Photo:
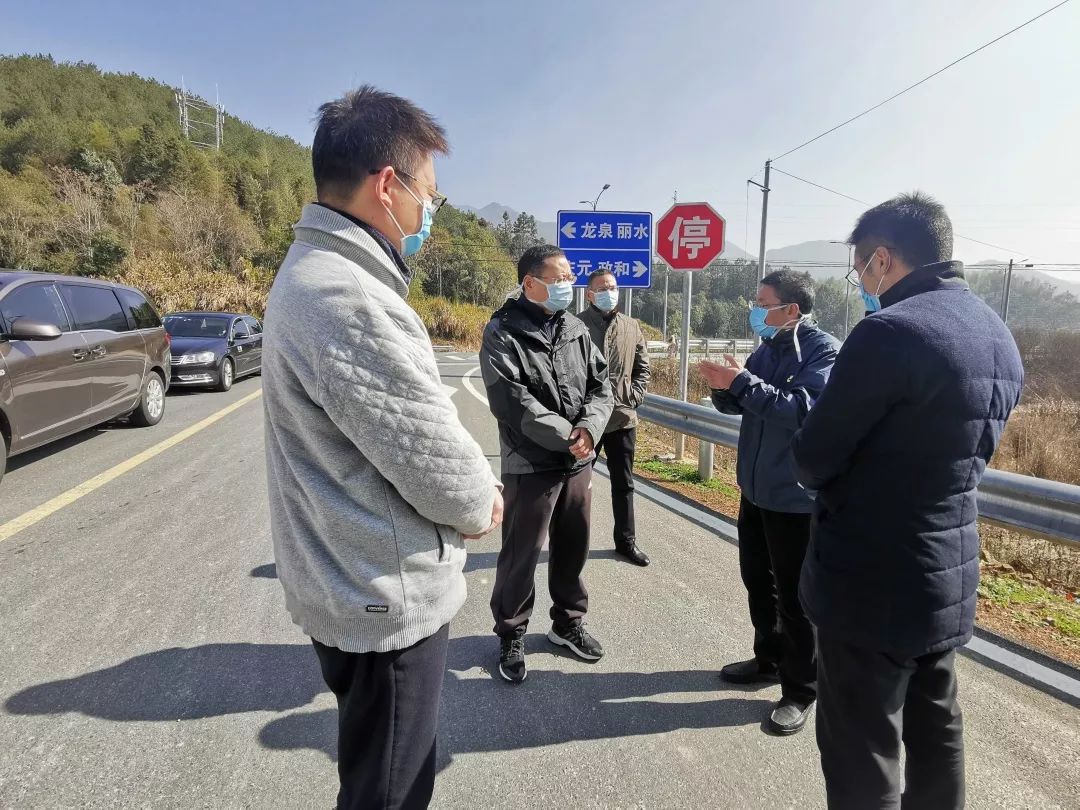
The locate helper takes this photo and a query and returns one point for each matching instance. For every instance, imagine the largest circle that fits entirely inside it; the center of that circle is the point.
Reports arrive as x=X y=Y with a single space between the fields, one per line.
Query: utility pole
x=764 y=221
x=1005 y=294
x=847 y=287
x=629 y=303
x=764 y=218
x=667 y=275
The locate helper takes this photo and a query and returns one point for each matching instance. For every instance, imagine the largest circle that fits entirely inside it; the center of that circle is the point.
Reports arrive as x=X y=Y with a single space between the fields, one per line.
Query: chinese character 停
x=692 y=234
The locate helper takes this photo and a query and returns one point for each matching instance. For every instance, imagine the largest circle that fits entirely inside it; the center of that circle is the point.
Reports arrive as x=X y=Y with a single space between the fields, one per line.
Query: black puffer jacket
x=896 y=446
x=544 y=377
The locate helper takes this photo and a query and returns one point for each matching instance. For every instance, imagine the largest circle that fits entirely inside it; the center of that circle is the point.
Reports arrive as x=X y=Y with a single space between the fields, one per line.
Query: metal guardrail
x=706 y=346
x=1049 y=509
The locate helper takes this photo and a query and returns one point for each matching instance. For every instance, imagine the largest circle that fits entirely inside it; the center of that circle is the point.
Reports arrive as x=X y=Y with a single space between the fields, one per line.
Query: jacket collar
x=384 y=243
x=515 y=316
x=783 y=339
x=599 y=317
x=537 y=314
x=937 y=276
x=326 y=229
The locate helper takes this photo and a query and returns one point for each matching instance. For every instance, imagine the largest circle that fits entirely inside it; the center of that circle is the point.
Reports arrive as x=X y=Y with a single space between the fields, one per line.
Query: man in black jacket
x=774 y=393
x=547 y=386
x=896 y=446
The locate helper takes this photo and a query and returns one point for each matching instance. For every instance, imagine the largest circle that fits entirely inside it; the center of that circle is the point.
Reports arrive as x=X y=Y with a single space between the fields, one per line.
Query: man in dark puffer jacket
x=896 y=446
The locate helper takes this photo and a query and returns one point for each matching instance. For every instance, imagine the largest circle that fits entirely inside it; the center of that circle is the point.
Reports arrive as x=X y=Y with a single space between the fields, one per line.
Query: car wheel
x=152 y=402
x=226 y=375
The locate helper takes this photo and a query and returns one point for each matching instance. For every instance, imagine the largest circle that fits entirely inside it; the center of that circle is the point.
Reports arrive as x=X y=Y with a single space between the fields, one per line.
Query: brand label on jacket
x=378 y=609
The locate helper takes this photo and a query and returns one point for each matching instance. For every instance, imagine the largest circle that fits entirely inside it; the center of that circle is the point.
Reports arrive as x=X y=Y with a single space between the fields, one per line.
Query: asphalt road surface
x=148 y=661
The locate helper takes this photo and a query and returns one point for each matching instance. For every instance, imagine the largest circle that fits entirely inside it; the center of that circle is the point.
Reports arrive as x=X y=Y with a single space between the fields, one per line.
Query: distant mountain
x=493 y=213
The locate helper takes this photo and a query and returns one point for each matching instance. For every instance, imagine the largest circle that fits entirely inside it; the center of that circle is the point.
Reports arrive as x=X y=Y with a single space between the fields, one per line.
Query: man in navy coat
x=895 y=447
x=773 y=394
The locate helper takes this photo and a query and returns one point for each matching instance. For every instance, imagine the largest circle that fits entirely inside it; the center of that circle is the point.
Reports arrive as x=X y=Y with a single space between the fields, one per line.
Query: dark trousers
x=772 y=546
x=388 y=711
x=870 y=702
x=618 y=447
x=539 y=507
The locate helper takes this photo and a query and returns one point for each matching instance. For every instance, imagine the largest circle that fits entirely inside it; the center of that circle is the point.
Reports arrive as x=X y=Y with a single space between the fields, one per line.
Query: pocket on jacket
x=443 y=553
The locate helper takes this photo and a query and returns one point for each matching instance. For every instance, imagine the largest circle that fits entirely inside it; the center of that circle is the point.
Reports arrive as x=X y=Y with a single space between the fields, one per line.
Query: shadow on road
x=184 y=683
x=484 y=714
x=480 y=712
x=268 y=571
x=44 y=452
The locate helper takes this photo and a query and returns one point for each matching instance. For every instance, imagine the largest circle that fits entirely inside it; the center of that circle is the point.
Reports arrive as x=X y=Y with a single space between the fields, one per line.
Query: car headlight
x=200 y=358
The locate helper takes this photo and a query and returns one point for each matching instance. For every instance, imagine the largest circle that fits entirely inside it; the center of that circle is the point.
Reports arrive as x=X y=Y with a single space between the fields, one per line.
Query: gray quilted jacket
x=371 y=476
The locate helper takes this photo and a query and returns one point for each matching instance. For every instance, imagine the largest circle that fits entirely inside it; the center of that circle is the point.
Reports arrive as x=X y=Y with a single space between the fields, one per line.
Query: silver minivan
x=75 y=353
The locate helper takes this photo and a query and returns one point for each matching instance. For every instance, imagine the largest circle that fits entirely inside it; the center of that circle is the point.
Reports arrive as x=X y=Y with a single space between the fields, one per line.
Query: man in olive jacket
x=621 y=340
x=548 y=388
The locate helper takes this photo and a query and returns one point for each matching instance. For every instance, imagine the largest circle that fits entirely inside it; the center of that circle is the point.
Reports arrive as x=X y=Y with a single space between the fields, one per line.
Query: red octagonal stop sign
x=689 y=236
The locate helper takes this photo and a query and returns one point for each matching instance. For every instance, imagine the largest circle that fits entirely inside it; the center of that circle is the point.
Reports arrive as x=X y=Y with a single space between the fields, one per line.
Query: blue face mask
x=872 y=301
x=412 y=242
x=757 y=321
x=560 y=294
x=606 y=300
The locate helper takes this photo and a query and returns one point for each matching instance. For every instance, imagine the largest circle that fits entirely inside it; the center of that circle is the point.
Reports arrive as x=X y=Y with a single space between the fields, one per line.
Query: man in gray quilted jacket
x=373 y=481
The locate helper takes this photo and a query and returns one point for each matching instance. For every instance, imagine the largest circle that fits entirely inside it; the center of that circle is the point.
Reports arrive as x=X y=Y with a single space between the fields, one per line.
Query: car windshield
x=196 y=326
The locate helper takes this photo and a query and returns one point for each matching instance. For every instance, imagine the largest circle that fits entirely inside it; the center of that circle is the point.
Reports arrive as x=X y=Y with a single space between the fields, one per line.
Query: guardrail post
x=705 y=451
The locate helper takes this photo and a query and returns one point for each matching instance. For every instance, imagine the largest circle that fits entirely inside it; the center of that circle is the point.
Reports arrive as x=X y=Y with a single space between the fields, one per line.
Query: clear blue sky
x=545 y=102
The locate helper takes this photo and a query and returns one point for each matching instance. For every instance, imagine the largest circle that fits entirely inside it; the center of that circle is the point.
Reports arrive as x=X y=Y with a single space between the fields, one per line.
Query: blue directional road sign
x=619 y=241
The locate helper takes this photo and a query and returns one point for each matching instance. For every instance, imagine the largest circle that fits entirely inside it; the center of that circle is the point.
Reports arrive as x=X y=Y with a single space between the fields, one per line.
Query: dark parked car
x=213 y=349
x=75 y=353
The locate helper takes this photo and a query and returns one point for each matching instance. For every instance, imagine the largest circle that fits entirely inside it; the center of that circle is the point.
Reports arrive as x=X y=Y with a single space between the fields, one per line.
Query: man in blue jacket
x=896 y=446
x=774 y=393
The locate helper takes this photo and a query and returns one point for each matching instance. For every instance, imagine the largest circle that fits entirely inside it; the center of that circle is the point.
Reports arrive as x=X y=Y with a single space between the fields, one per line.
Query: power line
x=863 y=202
x=823 y=188
x=921 y=81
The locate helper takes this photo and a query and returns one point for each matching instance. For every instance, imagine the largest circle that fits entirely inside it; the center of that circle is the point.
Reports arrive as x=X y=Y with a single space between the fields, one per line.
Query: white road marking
x=472 y=389
x=28 y=519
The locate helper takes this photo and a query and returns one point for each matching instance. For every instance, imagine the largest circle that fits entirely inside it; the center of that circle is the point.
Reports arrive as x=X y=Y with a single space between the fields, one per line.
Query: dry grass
x=460 y=325
x=1042 y=439
x=665 y=379
x=173 y=287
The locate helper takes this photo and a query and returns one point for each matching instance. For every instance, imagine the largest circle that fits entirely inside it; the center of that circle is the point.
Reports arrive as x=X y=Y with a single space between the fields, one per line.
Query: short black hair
x=913 y=225
x=368 y=129
x=532 y=260
x=595 y=274
x=792 y=287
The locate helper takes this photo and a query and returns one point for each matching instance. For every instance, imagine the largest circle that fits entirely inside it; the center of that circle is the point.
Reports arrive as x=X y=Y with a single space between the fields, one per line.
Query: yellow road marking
x=39 y=513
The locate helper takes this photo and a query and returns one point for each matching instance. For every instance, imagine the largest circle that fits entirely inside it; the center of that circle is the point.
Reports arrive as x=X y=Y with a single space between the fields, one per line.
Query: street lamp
x=581 y=291
x=598 y=196
x=847 y=290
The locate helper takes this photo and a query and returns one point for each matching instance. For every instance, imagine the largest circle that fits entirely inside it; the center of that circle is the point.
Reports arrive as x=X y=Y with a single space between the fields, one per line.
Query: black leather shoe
x=752 y=671
x=789 y=717
x=632 y=553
